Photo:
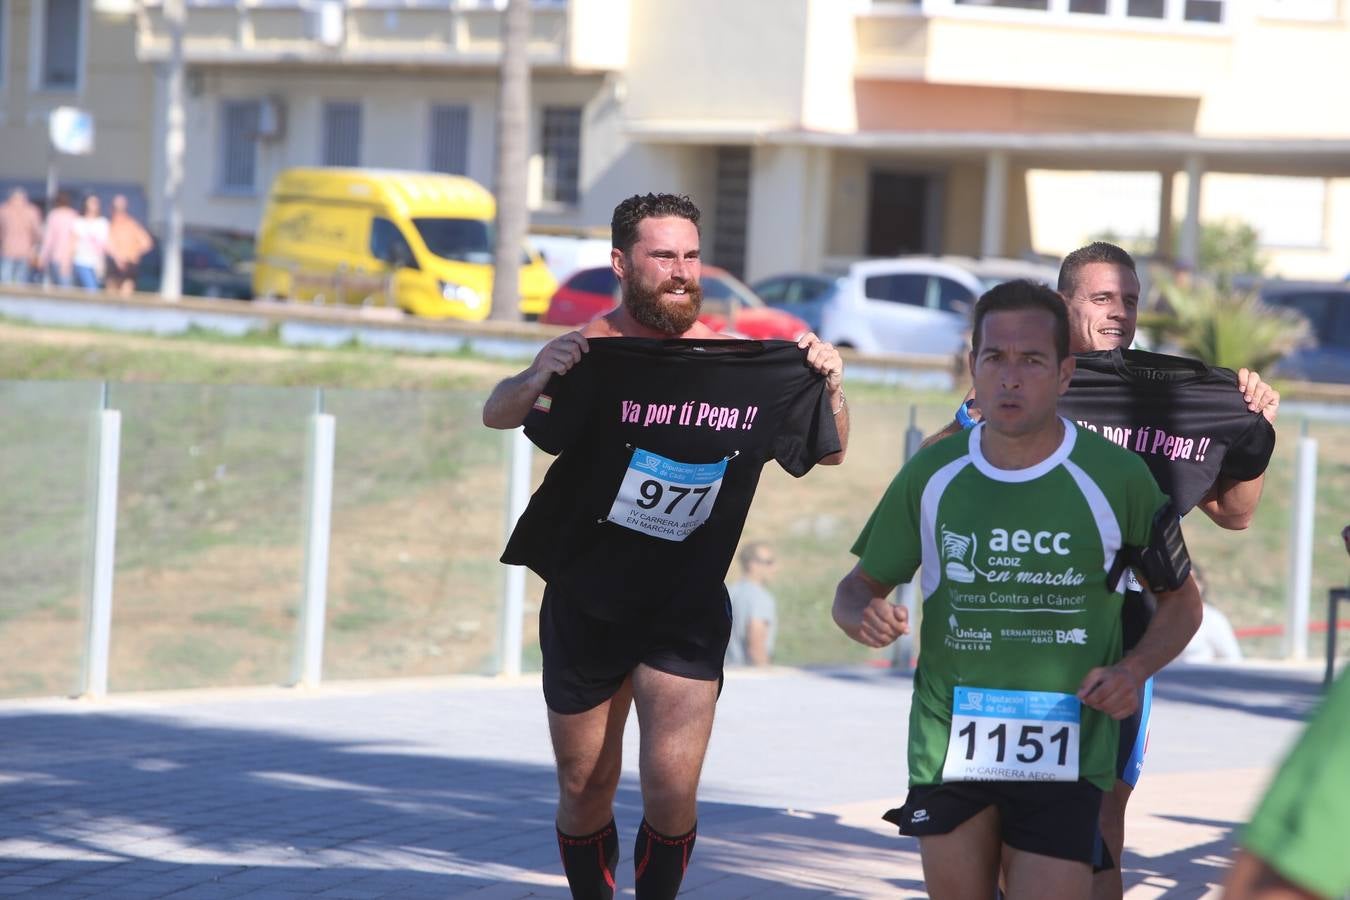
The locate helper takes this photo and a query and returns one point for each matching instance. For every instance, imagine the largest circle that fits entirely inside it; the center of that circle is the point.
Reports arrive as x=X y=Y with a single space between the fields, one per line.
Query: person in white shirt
x=91 y=245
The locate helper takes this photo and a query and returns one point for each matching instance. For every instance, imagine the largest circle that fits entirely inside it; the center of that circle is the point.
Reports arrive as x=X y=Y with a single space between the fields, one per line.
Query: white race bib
x=1000 y=735
x=665 y=498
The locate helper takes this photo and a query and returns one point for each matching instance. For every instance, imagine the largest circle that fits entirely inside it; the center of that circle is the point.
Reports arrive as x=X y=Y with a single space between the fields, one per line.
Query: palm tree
x=1224 y=326
x=513 y=135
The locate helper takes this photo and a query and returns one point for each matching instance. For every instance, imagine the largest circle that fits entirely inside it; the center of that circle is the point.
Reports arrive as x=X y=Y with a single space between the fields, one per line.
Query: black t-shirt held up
x=660 y=444
x=1188 y=421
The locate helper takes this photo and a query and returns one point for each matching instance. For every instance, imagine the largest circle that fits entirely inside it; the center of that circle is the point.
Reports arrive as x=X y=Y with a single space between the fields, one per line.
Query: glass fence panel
x=210 y=535
x=1246 y=573
x=46 y=515
x=809 y=524
x=418 y=524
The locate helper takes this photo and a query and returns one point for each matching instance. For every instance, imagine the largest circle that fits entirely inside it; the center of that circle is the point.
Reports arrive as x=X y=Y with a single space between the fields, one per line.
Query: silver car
x=909 y=304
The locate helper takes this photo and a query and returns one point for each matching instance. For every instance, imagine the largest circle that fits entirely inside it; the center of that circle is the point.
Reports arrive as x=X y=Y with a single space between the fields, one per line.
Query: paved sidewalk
x=445 y=789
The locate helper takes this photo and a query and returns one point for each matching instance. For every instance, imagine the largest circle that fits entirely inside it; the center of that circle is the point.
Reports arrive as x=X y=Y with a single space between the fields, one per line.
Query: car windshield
x=462 y=240
x=720 y=289
x=237 y=249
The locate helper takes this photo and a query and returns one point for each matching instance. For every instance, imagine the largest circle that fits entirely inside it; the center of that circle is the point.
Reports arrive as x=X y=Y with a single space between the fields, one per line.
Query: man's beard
x=673 y=317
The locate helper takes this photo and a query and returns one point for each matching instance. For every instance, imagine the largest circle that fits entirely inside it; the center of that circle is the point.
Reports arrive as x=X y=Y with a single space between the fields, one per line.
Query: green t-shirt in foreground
x=1301 y=825
x=1014 y=577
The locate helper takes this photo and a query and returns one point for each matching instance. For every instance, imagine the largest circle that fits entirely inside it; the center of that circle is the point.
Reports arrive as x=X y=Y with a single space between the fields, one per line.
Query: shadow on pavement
x=1258 y=692
x=102 y=800
x=1185 y=871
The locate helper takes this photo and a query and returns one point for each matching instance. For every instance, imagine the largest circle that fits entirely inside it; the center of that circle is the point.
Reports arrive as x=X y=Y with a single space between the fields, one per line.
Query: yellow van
x=418 y=241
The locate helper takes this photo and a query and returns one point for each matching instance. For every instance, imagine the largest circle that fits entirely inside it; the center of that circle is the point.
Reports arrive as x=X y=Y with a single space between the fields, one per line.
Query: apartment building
x=810 y=131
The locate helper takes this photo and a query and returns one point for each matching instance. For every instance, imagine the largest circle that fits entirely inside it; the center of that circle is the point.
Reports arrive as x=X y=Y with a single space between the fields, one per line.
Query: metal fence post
x=521 y=453
x=308 y=665
x=1301 y=547
x=94 y=677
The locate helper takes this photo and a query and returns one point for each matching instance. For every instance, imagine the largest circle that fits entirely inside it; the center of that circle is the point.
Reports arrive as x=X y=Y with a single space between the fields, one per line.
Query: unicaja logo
x=968 y=634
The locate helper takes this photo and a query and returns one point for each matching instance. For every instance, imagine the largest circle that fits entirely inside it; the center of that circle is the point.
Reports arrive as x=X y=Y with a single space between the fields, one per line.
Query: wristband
x=843 y=402
x=963 y=415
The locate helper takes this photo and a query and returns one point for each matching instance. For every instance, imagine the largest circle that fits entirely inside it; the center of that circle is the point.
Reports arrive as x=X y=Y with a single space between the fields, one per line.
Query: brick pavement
x=444 y=788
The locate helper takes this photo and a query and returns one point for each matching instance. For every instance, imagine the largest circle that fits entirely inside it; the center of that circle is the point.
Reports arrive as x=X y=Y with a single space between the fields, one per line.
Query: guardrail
x=304 y=324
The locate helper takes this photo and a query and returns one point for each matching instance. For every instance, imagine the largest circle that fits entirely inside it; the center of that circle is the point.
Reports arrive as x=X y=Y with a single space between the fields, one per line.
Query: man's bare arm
x=863 y=612
x=757 y=642
x=954 y=426
x=825 y=359
x=1114 y=689
x=1252 y=878
x=511 y=400
x=1231 y=503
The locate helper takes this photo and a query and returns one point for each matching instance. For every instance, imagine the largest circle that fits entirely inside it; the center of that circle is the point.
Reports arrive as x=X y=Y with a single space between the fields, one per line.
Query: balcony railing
x=1076 y=45
x=467 y=33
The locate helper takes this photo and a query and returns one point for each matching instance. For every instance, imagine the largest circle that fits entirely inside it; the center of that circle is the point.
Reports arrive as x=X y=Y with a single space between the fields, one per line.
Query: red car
x=592 y=292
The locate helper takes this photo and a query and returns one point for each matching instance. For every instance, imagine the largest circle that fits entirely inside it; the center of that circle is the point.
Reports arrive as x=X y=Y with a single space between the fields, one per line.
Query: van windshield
x=462 y=240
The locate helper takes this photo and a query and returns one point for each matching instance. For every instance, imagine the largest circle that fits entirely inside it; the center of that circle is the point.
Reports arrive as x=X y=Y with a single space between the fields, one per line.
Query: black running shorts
x=587 y=659
x=1052 y=818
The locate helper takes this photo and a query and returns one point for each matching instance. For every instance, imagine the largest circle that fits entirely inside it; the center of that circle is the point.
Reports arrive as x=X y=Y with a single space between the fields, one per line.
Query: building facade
x=810 y=131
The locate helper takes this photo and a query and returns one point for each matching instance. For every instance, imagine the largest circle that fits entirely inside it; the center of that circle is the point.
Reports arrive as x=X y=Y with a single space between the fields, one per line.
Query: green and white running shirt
x=1014 y=577
x=1300 y=827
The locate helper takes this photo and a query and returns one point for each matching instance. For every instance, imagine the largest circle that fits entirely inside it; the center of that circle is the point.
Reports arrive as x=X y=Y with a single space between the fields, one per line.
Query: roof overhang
x=1116 y=150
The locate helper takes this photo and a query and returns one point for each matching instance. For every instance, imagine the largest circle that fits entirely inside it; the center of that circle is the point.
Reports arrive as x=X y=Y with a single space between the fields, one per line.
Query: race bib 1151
x=665 y=498
x=1002 y=735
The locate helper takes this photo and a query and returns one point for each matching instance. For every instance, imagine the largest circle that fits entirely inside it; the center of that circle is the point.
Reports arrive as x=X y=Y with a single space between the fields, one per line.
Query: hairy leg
x=588 y=747
x=963 y=863
x=1034 y=876
x=1108 y=885
x=676 y=717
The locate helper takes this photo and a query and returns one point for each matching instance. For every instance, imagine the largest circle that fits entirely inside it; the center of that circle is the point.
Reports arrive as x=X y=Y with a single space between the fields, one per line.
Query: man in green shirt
x=1022 y=526
x=1294 y=848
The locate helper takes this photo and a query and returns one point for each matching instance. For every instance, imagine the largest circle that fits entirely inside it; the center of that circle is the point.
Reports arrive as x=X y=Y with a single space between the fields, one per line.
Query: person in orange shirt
x=128 y=241
x=20 y=232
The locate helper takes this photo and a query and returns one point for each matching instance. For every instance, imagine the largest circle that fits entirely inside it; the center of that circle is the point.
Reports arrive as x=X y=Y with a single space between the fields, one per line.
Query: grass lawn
x=211 y=543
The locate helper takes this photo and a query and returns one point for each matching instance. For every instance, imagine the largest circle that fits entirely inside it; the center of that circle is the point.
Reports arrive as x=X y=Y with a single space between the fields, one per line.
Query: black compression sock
x=659 y=862
x=589 y=862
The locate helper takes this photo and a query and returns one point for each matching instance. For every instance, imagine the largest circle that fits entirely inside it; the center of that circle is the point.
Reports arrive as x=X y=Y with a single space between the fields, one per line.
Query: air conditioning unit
x=328 y=23
x=272 y=119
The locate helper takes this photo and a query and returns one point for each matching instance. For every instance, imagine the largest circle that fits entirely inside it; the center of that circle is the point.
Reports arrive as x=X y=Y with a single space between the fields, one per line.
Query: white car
x=908 y=304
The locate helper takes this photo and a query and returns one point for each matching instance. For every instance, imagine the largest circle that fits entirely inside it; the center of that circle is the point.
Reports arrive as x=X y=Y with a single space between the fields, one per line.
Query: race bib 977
x=1002 y=735
x=665 y=498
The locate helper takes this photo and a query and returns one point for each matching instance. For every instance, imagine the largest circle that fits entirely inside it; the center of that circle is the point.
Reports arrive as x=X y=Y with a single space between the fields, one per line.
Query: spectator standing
x=754 y=611
x=90 y=245
x=56 y=256
x=20 y=234
x=128 y=241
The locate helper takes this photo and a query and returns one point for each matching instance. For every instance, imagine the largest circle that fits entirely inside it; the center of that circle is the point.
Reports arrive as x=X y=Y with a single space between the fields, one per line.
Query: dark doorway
x=898 y=214
x=732 y=209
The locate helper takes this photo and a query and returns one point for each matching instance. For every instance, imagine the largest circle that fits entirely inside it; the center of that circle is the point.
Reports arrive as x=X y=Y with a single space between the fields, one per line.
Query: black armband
x=1165 y=563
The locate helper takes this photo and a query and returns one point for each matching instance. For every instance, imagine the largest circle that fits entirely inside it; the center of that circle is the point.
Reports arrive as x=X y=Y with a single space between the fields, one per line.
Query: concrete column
x=995 y=203
x=789 y=210
x=1164 y=248
x=175 y=145
x=1188 y=254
